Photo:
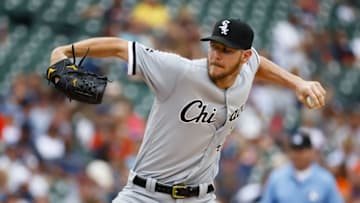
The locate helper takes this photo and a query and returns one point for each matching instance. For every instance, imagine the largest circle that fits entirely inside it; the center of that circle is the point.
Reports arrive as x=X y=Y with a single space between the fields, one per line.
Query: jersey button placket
x=227 y=107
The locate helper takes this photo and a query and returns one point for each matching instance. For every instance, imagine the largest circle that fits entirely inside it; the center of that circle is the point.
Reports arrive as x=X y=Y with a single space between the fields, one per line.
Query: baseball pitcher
x=197 y=104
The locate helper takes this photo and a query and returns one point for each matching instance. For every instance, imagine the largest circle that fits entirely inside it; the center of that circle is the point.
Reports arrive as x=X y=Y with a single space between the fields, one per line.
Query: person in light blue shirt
x=302 y=180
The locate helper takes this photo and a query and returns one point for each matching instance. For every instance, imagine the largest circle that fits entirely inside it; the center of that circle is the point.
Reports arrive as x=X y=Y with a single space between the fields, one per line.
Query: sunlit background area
x=56 y=151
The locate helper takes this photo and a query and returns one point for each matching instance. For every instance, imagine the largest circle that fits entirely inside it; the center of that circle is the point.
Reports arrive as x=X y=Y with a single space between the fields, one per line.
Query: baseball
x=309 y=101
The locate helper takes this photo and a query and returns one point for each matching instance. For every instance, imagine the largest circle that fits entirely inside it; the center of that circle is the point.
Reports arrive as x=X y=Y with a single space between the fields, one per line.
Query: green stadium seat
x=34 y=6
x=93 y=26
x=12 y=4
x=131 y=91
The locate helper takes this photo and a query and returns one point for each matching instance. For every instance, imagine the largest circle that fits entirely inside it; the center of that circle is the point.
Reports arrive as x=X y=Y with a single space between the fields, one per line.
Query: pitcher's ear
x=246 y=55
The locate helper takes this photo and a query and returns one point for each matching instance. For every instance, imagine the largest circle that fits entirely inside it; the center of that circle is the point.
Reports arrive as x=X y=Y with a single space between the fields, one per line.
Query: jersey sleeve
x=160 y=70
x=254 y=60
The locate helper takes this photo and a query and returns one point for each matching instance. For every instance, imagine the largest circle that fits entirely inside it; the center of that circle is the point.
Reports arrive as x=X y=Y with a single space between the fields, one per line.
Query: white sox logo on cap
x=232 y=33
x=224 y=27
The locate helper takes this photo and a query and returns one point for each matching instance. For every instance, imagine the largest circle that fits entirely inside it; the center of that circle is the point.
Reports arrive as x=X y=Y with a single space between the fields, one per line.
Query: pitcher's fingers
x=320 y=97
x=321 y=88
x=315 y=101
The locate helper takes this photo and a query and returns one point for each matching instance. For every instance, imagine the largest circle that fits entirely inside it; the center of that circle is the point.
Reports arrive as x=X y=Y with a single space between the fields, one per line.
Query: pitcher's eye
x=226 y=51
x=213 y=46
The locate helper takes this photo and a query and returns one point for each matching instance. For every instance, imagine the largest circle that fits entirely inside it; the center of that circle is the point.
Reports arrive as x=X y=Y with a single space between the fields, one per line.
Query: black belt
x=176 y=191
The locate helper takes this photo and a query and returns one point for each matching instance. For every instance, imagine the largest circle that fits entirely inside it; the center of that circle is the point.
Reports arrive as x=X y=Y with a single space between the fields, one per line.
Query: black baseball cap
x=233 y=33
x=300 y=140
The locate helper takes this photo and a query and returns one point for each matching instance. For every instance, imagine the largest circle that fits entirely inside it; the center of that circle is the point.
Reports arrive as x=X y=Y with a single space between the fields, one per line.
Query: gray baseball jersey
x=190 y=117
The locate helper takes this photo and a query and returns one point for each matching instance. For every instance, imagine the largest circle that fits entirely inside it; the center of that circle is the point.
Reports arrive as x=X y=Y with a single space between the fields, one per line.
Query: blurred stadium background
x=53 y=150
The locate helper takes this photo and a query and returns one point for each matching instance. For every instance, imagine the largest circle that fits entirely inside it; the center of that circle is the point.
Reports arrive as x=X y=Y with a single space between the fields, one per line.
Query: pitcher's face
x=225 y=61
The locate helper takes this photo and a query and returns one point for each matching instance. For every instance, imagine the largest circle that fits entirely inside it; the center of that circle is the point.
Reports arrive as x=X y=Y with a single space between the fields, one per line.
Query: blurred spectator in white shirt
x=50 y=146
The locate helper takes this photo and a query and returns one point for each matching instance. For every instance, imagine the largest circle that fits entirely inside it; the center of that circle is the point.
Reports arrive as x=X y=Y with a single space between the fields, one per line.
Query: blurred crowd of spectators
x=53 y=150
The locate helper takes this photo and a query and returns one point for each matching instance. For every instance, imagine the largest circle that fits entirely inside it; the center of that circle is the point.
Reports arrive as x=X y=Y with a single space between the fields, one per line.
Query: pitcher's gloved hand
x=75 y=82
